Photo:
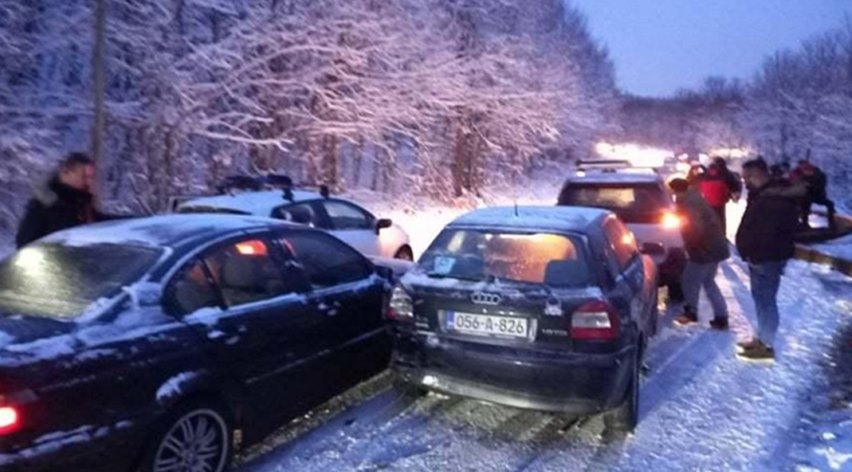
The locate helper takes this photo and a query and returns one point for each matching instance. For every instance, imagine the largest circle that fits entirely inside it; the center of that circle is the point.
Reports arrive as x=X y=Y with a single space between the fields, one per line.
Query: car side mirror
x=653 y=249
x=382 y=224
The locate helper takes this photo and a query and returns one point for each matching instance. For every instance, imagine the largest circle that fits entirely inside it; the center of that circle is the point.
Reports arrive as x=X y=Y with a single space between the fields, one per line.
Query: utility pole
x=99 y=79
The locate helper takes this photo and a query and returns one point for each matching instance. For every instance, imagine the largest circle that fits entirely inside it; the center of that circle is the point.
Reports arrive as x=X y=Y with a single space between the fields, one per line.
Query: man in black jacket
x=765 y=242
x=65 y=201
x=706 y=246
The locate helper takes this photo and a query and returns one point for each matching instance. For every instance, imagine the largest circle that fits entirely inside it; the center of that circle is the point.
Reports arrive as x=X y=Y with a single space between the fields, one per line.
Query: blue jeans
x=695 y=276
x=765 y=281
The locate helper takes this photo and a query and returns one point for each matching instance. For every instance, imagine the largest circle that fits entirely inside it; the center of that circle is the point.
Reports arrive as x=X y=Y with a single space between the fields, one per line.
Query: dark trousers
x=722 y=219
x=765 y=280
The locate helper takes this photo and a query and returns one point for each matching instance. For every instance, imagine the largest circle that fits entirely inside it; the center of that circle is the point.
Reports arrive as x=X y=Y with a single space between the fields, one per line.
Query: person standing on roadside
x=706 y=246
x=765 y=241
x=65 y=201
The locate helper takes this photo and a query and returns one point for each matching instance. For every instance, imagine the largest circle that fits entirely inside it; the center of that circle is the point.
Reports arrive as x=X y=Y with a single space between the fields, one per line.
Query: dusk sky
x=659 y=46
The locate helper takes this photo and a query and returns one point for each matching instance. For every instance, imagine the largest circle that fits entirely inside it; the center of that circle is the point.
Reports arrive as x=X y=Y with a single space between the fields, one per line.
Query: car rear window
x=62 y=281
x=634 y=203
x=504 y=256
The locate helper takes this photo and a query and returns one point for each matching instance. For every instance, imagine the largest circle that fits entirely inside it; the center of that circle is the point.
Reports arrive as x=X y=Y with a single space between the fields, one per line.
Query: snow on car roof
x=557 y=218
x=614 y=178
x=253 y=203
x=163 y=230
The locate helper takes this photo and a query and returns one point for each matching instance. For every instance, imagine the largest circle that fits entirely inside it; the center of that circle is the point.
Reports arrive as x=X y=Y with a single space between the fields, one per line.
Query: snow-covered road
x=701 y=408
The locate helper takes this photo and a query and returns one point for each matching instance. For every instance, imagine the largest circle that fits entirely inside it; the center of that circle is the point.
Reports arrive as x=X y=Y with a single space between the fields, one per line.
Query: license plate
x=486 y=325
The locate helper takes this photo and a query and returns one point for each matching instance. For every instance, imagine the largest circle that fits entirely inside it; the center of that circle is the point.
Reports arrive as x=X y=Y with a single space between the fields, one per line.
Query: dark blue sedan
x=165 y=343
x=542 y=308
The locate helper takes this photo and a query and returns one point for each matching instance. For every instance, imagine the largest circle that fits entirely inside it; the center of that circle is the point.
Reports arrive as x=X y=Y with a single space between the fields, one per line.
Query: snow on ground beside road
x=423 y=219
x=7 y=245
x=841 y=247
x=701 y=407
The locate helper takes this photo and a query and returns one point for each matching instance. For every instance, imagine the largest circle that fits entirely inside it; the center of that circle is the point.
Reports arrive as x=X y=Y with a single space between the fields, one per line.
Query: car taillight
x=401 y=305
x=595 y=320
x=670 y=221
x=10 y=420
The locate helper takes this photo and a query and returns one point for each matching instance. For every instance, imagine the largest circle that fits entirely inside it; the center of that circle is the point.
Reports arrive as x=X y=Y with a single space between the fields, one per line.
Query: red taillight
x=595 y=320
x=401 y=306
x=10 y=420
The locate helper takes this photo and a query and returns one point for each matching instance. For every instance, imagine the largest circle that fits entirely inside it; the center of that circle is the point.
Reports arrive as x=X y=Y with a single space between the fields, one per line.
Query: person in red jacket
x=716 y=191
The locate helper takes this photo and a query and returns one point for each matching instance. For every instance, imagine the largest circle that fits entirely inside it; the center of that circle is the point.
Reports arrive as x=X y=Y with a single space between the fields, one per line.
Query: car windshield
x=60 y=281
x=494 y=255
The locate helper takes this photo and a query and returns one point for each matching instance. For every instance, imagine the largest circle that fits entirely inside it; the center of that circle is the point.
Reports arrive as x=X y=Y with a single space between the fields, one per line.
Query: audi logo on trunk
x=486 y=298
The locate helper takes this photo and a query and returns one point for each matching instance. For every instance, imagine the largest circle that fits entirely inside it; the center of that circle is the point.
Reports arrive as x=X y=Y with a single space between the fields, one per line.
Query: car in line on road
x=166 y=343
x=345 y=219
x=643 y=201
x=547 y=308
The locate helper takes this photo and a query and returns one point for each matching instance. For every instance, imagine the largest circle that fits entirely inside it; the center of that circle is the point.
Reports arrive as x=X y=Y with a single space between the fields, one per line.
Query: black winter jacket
x=703 y=237
x=55 y=207
x=769 y=224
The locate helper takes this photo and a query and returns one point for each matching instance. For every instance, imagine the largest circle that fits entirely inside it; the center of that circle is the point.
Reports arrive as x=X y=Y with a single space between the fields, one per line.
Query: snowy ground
x=841 y=247
x=701 y=408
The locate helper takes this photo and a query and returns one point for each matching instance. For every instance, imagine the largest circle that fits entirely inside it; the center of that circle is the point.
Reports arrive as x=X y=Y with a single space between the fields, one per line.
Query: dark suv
x=645 y=204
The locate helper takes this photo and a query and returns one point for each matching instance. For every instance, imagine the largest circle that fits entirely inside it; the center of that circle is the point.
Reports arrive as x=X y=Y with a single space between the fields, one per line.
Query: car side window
x=345 y=216
x=301 y=213
x=192 y=289
x=246 y=272
x=622 y=242
x=327 y=262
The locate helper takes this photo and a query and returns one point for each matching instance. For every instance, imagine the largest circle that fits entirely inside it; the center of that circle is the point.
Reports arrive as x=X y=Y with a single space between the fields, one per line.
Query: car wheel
x=404 y=254
x=195 y=437
x=624 y=419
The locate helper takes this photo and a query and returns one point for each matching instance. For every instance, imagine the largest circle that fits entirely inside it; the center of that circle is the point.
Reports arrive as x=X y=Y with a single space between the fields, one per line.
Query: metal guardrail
x=809 y=254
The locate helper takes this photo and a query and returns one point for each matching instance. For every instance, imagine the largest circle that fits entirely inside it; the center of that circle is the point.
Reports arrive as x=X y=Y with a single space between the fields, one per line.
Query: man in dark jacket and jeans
x=706 y=246
x=65 y=201
x=765 y=242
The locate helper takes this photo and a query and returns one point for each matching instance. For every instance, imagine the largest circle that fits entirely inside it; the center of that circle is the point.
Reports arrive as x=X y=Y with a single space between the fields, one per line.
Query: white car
x=351 y=223
x=643 y=201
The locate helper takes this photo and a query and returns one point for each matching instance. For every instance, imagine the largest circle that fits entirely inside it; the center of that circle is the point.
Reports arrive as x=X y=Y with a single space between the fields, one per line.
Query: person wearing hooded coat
x=64 y=201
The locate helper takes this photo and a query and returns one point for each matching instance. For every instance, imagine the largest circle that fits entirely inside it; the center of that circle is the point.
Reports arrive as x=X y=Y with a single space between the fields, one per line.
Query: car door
x=347 y=293
x=353 y=225
x=308 y=213
x=630 y=282
x=248 y=300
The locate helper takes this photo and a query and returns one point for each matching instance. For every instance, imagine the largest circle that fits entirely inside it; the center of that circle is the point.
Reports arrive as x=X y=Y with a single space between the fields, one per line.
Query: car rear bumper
x=524 y=378
x=86 y=449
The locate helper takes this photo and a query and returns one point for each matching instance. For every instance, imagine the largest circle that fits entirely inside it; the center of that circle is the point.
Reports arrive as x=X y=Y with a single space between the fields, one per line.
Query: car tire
x=210 y=442
x=623 y=420
x=404 y=253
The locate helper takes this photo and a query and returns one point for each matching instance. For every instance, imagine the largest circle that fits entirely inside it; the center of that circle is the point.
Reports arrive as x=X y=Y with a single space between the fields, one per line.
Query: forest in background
x=437 y=98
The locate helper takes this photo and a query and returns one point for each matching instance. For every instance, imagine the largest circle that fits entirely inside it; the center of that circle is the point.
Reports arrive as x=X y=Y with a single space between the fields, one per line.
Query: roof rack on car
x=612 y=165
x=604 y=163
x=282 y=182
